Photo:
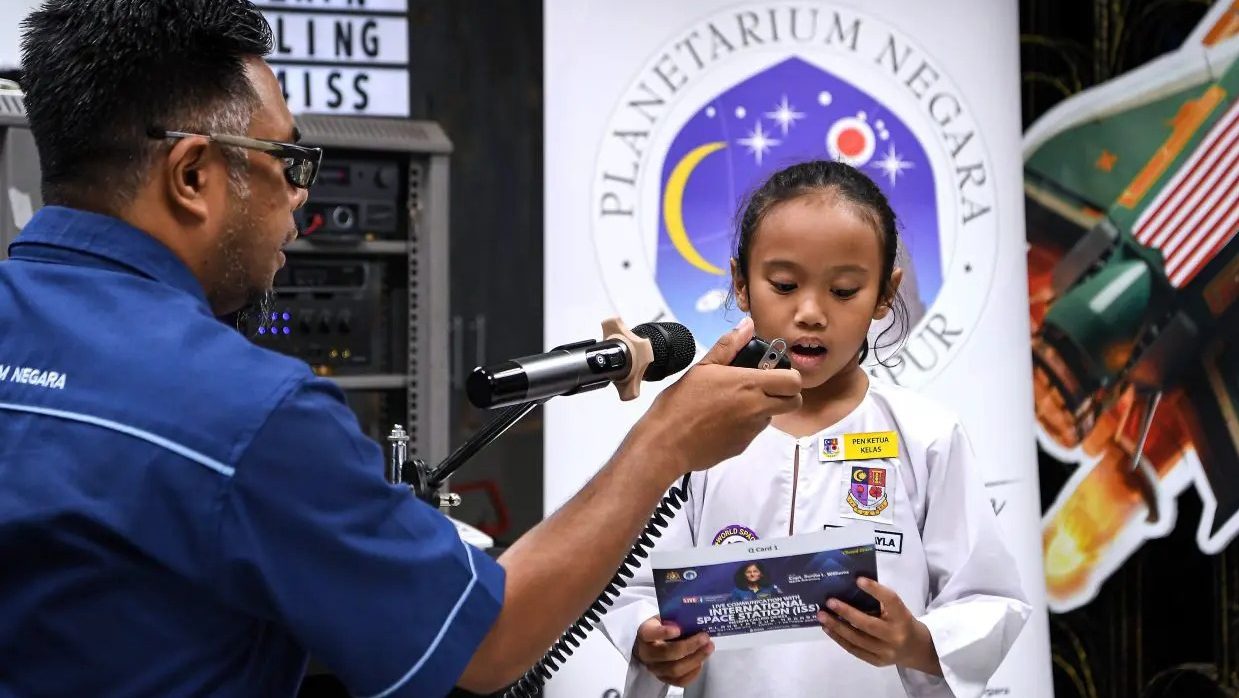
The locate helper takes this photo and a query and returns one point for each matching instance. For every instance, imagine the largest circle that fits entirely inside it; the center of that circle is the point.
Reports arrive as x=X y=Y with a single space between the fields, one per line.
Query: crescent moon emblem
x=673 y=206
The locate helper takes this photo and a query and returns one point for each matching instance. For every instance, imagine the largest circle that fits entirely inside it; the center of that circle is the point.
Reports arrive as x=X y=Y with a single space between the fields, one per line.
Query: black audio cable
x=531 y=683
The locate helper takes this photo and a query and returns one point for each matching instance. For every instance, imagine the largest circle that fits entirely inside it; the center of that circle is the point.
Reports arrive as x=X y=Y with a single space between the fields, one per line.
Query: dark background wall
x=476 y=68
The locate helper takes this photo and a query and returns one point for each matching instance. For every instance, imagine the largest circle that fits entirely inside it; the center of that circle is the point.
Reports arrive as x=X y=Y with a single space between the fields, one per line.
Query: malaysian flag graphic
x=1197 y=212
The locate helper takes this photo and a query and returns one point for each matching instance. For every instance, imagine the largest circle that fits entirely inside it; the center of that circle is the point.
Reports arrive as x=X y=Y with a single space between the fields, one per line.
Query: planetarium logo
x=748 y=91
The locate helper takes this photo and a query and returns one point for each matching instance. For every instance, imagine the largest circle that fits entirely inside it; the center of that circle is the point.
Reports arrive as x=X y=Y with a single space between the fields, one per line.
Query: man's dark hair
x=98 y=74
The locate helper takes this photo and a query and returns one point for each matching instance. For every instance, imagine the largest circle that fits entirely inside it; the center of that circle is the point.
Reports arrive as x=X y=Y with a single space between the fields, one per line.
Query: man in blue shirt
x=185 y=513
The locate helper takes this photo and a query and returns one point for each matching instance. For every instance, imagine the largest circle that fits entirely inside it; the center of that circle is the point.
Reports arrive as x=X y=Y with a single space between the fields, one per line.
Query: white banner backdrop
x=924 y=97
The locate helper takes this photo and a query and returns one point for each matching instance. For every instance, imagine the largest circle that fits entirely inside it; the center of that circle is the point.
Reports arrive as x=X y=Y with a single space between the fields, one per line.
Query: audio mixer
x=332 y=314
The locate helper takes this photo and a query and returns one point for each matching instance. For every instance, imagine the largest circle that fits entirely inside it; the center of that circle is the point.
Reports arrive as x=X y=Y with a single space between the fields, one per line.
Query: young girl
x=815 y=265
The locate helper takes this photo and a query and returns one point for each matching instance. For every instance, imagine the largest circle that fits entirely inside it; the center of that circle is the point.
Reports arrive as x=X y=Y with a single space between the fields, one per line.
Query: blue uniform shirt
x=185 y=513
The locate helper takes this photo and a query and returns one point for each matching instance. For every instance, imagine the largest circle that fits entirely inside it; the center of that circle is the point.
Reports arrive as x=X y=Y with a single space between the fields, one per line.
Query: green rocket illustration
x=1136 y=341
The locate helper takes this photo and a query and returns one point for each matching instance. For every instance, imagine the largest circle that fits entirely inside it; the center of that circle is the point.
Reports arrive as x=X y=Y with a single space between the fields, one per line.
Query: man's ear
x=888 y=295
x=189 y=171
x=740 y=287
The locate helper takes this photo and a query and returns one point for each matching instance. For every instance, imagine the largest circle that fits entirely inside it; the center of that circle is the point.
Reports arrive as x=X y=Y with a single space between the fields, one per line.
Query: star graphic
x=892 y=165
x=758 y=141
x=1105 y=161
x=784 y=115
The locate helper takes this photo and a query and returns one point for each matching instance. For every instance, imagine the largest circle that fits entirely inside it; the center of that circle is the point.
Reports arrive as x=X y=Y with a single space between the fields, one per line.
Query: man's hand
x=893 y=637
x=714 y=410
x=676 y=663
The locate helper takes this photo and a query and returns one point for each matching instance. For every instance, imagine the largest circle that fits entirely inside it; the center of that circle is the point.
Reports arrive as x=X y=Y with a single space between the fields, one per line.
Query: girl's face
x=752 y=574
x=814 y=276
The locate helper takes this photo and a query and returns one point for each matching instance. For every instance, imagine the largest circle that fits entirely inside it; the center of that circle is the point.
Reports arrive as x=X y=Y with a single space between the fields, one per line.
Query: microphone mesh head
x=673 y=345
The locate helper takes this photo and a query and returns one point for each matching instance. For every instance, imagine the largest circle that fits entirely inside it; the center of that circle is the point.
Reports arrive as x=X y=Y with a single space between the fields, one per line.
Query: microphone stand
x=424 y=480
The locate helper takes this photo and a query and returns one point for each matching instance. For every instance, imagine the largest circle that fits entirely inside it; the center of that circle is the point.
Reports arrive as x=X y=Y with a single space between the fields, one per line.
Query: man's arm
x=379 y=586
x=710 y=414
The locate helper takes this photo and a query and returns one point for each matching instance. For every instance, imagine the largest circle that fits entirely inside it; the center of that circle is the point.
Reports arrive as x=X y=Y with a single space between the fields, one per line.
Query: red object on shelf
x=502 y=522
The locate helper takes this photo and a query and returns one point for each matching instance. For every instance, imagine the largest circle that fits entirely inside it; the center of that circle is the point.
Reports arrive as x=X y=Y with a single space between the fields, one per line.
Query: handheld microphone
x=650 y=351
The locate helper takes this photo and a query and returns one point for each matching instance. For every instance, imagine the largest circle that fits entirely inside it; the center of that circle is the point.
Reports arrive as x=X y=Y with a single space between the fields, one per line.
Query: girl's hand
x=676 y=663
x=893 y=637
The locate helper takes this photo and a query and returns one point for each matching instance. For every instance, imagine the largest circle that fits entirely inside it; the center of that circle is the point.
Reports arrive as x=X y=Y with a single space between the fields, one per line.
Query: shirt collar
x=82 y=238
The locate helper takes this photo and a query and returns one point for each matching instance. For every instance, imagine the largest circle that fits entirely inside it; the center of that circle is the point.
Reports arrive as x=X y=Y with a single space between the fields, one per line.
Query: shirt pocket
x=868 y=491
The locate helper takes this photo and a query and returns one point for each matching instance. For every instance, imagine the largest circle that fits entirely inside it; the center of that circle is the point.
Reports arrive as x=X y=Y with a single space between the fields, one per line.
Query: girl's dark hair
x=857 y=190
x=741 y=581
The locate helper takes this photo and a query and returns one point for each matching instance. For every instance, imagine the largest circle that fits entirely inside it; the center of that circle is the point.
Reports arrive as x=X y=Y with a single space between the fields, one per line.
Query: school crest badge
x=867 y=494
x=830 y=447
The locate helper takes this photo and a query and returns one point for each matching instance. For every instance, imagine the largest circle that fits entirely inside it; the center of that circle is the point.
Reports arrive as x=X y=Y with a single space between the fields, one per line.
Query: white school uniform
x=940 y=549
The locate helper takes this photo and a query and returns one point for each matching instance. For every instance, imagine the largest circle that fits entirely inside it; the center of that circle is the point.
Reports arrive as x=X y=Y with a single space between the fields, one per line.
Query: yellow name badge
x=866 y=446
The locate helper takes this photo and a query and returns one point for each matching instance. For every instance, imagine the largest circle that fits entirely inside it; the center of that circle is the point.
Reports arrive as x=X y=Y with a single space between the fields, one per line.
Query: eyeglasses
x=300 y=163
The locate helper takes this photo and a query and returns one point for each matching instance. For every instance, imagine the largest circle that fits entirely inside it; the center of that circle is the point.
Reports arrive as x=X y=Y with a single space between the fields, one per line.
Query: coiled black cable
x=532 y=682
